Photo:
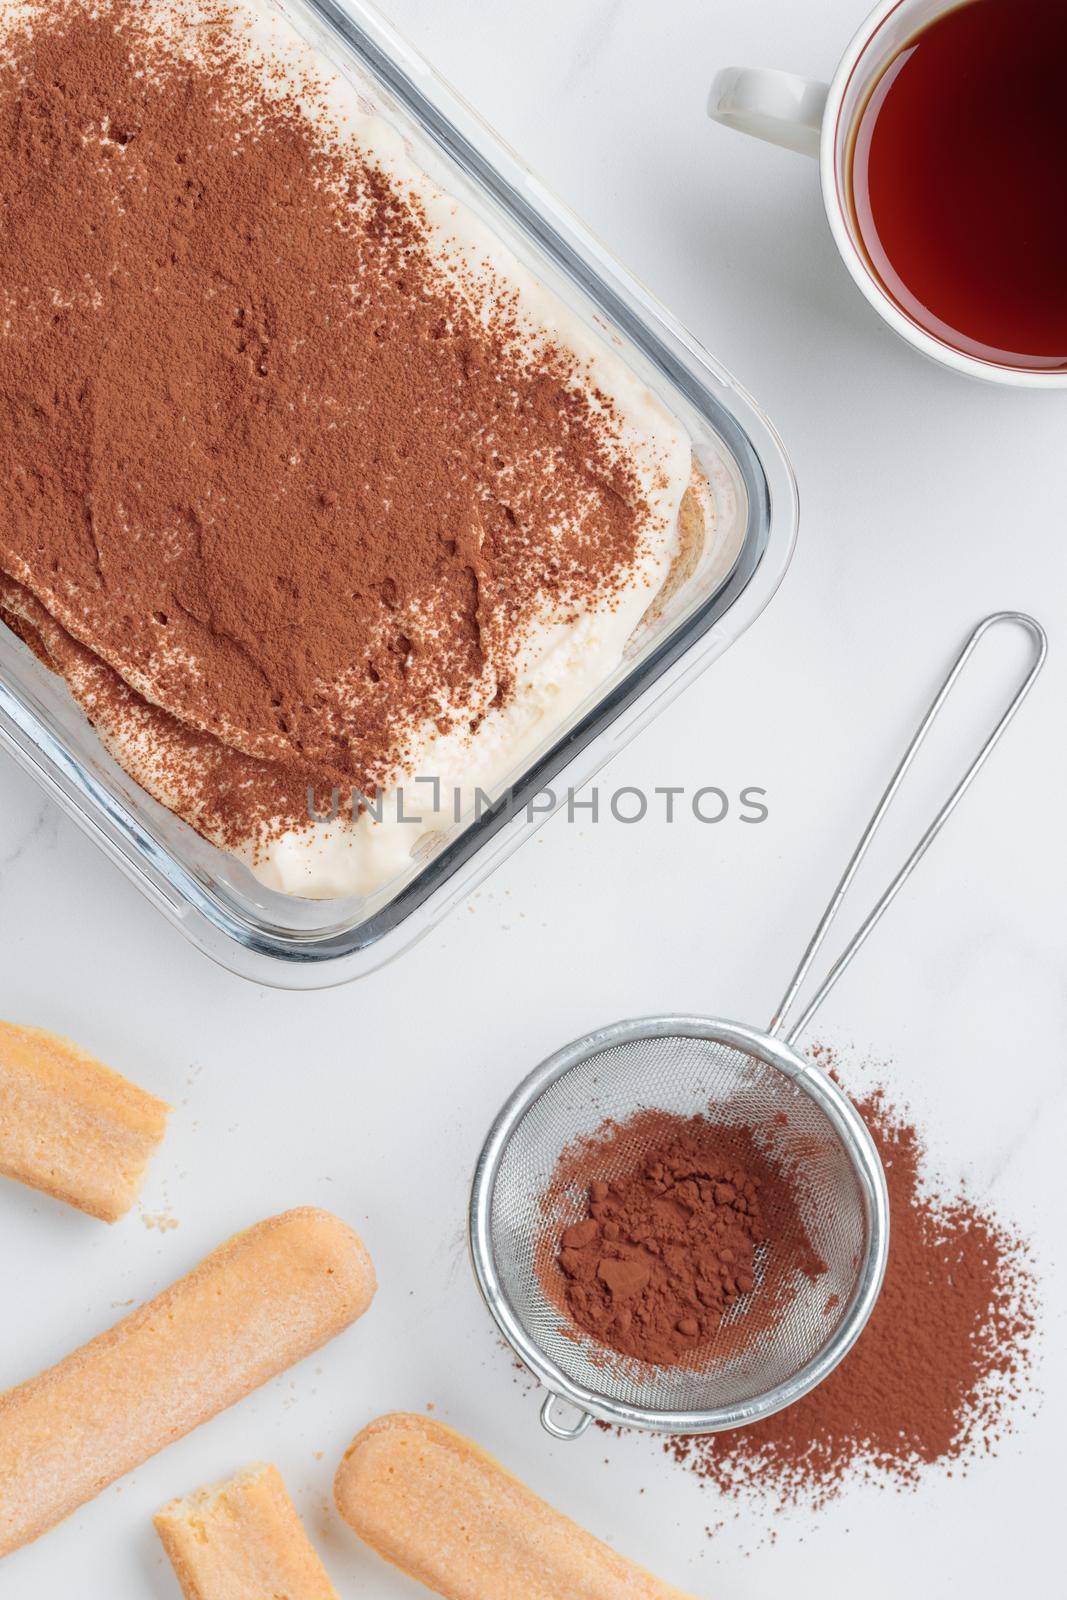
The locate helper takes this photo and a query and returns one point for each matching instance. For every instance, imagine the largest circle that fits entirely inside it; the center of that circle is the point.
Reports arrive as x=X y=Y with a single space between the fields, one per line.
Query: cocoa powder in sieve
x=690 y=1243
x=936 y=1376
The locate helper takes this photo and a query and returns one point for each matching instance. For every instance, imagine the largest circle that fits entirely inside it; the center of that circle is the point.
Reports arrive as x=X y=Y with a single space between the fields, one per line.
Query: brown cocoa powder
x=673 y=1237
x=939 y=1372
x=259 y=454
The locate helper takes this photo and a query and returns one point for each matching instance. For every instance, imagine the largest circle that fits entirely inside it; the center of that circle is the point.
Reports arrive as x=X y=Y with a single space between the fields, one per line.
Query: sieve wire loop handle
x=859 y=938
x=559 y=1430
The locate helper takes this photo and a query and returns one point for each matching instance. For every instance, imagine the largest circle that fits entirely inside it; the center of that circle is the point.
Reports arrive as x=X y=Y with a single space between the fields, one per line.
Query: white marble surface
x=926 y=502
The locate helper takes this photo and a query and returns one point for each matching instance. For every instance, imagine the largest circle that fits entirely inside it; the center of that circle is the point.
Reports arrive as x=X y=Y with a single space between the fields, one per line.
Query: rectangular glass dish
x=299 y=943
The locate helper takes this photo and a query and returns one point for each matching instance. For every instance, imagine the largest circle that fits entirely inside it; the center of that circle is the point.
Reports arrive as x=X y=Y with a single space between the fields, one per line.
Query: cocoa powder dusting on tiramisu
x=277 y=485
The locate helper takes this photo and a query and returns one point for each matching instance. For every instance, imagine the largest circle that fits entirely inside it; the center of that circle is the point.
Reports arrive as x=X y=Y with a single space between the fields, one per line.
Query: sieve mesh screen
x=686 y=1076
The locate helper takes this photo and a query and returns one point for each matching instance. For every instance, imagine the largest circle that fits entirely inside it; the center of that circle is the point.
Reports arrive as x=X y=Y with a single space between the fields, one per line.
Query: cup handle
x=777 y=106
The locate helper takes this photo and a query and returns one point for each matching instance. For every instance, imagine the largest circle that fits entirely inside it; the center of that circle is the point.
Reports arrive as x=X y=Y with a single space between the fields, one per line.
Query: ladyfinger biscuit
x=447 y=1514
x=261 y=1301
x=242 y=1540
x=72 y=1127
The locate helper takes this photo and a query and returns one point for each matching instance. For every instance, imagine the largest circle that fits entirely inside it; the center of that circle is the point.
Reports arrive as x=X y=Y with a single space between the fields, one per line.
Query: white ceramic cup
x=818 y=119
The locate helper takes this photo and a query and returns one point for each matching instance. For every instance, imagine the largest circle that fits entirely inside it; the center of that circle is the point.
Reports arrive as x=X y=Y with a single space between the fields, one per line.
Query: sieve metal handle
x=859 y=938
x=559 y=1430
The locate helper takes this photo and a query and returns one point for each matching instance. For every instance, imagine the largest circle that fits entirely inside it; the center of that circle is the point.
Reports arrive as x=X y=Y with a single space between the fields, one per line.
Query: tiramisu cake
x=310 y=488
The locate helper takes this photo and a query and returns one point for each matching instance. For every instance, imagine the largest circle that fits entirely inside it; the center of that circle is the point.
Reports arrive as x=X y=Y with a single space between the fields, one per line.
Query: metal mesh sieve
x=746 y=1078
x=808 y=1130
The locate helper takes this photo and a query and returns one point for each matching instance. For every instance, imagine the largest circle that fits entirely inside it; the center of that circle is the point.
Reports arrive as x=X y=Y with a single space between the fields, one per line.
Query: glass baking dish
x=304 y=944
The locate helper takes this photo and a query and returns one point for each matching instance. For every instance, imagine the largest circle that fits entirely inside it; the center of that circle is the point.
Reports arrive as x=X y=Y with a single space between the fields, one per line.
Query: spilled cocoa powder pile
x=683 y=1219
x=936 y=1375
x=279 y=491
